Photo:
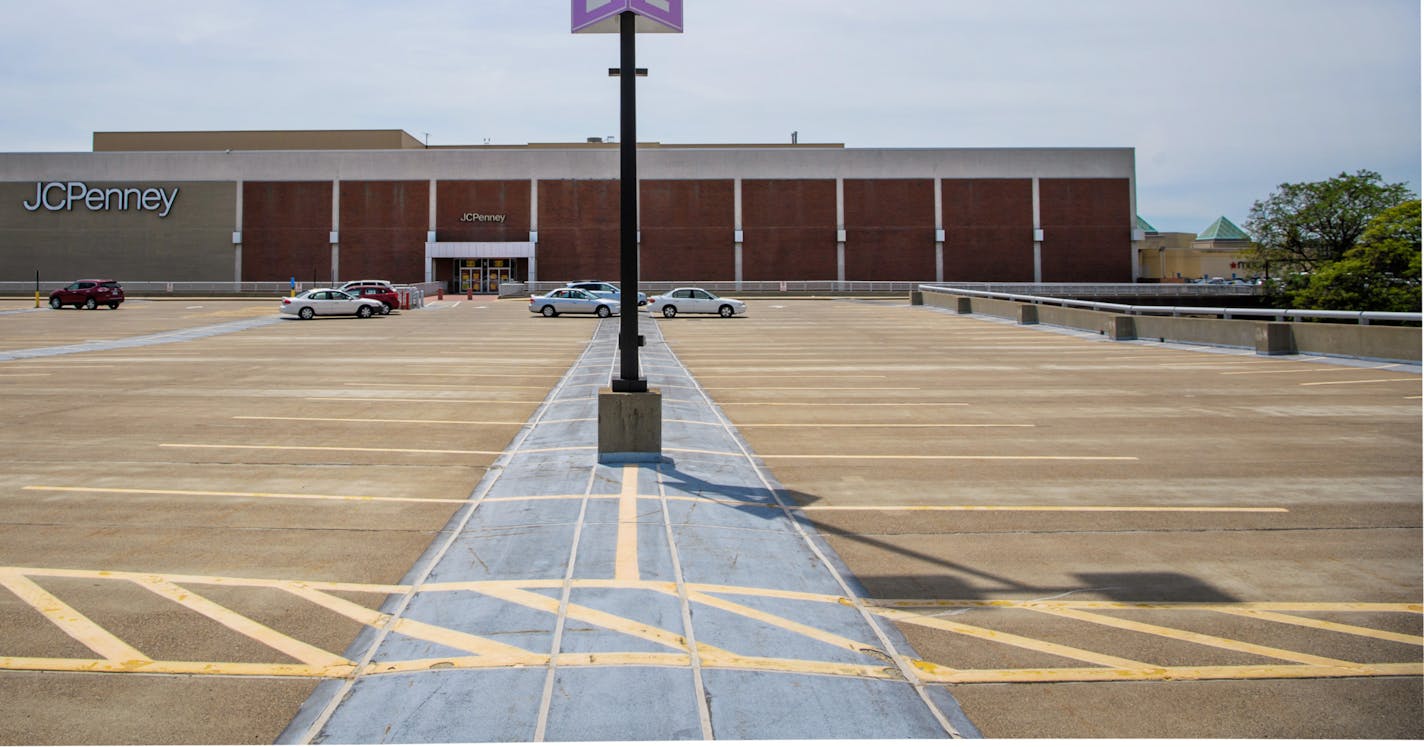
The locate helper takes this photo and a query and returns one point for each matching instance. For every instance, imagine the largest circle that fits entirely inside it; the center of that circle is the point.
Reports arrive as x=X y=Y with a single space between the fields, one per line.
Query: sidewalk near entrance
x=574 y=600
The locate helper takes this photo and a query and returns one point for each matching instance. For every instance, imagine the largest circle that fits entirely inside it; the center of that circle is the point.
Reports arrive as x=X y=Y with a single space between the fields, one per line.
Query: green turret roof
x=1222 y=230
x=1144 y=226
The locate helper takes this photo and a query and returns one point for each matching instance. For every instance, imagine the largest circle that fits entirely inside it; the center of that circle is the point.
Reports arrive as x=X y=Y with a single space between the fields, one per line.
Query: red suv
x=376 y=290
x=88 y=294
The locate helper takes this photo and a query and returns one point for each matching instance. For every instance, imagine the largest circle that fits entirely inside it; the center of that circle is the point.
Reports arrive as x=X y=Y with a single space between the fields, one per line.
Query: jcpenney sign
x=64 y=196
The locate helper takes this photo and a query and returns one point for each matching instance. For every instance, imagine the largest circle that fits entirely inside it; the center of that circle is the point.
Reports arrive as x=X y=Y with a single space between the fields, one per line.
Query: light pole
x=629 y=377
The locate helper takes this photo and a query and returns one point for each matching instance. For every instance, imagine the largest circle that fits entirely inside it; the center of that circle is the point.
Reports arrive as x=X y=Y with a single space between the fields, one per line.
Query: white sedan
x=573 y=301
x=330 y=302
x=694 y=301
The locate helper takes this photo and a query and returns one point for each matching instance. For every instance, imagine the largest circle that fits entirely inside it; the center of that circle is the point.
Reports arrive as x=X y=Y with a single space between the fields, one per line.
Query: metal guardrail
x=1280 y=315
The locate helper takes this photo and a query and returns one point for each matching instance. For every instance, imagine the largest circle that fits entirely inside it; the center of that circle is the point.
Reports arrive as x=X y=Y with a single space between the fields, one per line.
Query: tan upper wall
x=256 y=140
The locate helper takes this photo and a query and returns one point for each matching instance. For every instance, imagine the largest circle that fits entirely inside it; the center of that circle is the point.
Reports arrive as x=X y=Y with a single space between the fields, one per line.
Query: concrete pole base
x=630 y=426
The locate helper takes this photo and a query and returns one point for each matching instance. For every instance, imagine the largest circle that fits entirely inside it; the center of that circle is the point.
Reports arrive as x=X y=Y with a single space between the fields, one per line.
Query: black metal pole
x=629 y=378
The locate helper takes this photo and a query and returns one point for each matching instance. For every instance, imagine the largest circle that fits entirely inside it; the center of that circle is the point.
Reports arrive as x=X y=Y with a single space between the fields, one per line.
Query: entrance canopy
x=478 y=250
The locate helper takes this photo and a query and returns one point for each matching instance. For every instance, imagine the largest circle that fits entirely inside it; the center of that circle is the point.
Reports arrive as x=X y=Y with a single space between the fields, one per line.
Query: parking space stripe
x=1360 y=381
x=744 y=426
x=415 y=421
x=955 y=457
x=1061 y=509
x=359 y=449
x=233 y=494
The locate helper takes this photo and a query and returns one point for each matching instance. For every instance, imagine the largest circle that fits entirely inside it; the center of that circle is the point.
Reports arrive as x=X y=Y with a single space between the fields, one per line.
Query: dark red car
x=376 y=290
x=88 y=294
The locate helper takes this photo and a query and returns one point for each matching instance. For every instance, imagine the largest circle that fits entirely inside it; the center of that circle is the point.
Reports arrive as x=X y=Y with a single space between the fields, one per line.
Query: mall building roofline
x=230 y=140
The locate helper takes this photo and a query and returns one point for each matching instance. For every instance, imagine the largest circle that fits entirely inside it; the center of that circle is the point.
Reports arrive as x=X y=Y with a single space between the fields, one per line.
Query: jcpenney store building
x=341 y=205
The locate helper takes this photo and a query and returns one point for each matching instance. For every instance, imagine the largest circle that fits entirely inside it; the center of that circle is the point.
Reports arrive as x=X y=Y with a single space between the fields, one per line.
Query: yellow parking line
x=274 y=447
x=626 y=560
x=1191 y=637
x=234 y=494
x=1032 y=644
x=443 y=387
x=68 y=619
x=299 y=650
x=145 y=666
x=1310 y=622
x=1062 y=509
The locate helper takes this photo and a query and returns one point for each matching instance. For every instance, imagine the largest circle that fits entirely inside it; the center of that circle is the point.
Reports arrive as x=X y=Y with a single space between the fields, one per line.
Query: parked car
x=573 y=301
x=601 y=288
x=88 y=294
x=329 y=302
x=376 y=290
x=694 y=301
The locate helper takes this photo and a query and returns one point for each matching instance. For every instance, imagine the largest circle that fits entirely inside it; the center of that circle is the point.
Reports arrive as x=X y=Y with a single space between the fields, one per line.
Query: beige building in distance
x=1219 y=251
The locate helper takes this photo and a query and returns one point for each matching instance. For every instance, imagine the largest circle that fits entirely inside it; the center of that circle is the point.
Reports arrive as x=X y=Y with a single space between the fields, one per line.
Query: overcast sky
x=1223 y=99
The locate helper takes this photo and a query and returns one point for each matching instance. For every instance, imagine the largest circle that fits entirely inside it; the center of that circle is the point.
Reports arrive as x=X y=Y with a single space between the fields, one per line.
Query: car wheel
x=548 y=311
x=726 y=311
x=55 y=303
x=114 y=306
x=363 y=311
x=669 y=311
x=90 y=304
x=604 y=312
x=306 y=312
x=385 y=309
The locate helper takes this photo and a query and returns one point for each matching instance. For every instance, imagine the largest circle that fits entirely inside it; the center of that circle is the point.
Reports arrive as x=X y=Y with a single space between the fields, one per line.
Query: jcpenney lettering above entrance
x=63 y=196
x=481 y=218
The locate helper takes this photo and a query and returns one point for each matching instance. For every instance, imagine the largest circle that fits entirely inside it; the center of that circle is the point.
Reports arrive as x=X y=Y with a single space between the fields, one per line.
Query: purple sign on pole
x=601 y=16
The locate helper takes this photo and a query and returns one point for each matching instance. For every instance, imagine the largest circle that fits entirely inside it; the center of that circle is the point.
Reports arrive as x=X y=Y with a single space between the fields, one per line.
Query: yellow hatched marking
x=779 y=622
x=1103 y=605
x=1032 y=644
x=234 y=494
x=299 y=650
x=345 y=608
x=1309 y=622
x=625 y=564
x=443 y=400
x=1201 y=638
x=228 y=668
x=597 y=617
x=70 y=620
x=458 y=639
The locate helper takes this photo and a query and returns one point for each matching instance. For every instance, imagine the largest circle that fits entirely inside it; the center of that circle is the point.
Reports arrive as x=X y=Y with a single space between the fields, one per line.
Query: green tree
x=1302 y=227
x=1380 y=273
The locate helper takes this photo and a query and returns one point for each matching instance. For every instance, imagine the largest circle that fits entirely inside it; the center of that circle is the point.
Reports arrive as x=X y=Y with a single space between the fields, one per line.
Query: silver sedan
x=694 y=301
x=573 y=301
x=329 y=302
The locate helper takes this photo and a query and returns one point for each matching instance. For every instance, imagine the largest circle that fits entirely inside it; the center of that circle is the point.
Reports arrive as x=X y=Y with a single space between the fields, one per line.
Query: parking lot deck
x=873 y=520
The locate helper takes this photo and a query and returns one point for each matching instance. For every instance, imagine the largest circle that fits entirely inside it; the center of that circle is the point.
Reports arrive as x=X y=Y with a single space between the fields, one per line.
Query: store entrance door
x=485 y=275
x=494 y=276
